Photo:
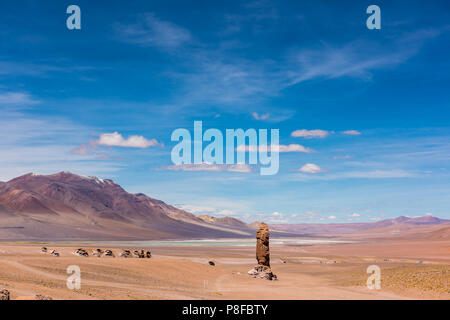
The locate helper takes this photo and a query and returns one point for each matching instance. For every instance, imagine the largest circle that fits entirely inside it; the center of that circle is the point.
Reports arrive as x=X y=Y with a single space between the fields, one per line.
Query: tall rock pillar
x=262 y=270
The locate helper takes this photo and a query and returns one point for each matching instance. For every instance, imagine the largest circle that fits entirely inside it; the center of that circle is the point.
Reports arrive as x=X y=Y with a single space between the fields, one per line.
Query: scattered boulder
x=211 y=263
x=262 y=270
x=109 y=254
x=148 y=254
x=54 y=253
x=5 y=295
x=44 y=249
x=284 y=261
x=97 y=252
x=125 y=254
x=42 y=297
x=81 y=252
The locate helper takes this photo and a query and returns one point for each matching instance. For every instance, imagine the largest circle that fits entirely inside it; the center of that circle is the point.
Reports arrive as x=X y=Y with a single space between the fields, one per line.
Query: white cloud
x=354 y=215
x=352 y=132
x=281 y=148
x=304 y=133
x=332 y=217
x=311 y=168
x=243 y=168
x=116 y=139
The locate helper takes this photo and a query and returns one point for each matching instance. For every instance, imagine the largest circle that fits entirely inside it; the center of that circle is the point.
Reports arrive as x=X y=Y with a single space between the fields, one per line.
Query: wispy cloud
x=354 y=60
x=343 y=157
x=370 y=174
x=17 y=99
x=215 y=73
x=26 y=69
x=243 y=168
x=279 y=148
x=153 y=31
x=41 y=69
x=90 y=149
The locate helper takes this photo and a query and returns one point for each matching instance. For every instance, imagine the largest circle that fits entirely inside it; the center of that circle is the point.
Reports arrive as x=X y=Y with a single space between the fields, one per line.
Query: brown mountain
x=346 y=228
x=65 y=206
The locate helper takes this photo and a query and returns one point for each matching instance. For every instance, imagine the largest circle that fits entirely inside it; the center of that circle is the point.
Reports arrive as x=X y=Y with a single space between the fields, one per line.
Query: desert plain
x=410 y=269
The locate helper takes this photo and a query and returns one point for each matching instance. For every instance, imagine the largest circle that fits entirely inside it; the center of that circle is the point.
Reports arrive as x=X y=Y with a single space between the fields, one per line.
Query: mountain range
x=346 y=228
x=66 y=206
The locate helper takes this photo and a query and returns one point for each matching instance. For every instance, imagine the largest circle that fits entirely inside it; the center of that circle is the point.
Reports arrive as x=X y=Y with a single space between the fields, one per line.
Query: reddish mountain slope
x=67 y=206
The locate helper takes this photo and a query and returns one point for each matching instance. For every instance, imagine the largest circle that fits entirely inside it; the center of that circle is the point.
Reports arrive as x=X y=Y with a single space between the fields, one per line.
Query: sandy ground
x=409 y=270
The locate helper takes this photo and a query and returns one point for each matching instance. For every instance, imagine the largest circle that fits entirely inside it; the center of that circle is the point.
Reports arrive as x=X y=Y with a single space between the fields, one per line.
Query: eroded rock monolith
x=262 y=245
x=262 y=270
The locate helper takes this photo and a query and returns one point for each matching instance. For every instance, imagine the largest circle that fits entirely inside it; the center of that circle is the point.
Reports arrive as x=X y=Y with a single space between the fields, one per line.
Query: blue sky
x=370 y=107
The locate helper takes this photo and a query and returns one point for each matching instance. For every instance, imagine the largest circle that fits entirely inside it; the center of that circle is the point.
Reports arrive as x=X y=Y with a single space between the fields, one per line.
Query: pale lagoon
x=201 y=242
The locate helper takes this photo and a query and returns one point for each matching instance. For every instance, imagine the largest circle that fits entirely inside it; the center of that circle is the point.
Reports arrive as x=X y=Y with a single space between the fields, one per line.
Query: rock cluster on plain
x=136 y=254
x=97 y=253
x=108 y=253
x=54 y=253
x=5 y=295
x=81 y=252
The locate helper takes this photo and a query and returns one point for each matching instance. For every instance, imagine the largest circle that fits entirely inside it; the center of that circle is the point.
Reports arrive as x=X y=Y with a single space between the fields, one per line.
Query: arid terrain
x=409 y=270
x=64 y=212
